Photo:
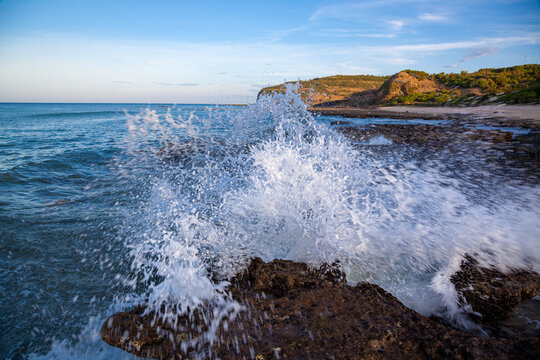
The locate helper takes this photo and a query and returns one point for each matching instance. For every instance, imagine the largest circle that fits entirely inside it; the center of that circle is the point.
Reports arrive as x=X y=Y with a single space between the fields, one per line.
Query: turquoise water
x=104 y=205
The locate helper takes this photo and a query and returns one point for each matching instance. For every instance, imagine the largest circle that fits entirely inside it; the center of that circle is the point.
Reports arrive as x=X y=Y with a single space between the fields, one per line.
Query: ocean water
x=103 y=206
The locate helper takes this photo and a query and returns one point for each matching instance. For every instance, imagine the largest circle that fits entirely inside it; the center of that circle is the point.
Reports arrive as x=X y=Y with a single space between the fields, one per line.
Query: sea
x=103 y=206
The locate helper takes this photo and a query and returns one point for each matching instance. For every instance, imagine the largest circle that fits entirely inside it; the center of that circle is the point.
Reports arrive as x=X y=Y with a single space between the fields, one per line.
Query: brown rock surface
x=426 y=134
x=294 y=312
x=491 y=293
x=403 y=84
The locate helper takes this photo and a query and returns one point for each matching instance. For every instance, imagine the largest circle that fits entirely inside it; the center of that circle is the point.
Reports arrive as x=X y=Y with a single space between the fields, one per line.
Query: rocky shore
x=504 y=141
x=512 y=115
x=295 y=312
x=292 y=311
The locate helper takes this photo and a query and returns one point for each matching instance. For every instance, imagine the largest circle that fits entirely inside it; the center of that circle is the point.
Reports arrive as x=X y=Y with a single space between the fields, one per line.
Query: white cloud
x=353 y=33
x=278 y=35
x=353 y=10
x=432 y=17
x=501 y=41
x=59 y=68
x=176 y=84
x=475 y=53
x=396 y=24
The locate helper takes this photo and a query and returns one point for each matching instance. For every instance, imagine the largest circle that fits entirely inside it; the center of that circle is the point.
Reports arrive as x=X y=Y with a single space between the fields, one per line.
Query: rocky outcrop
x=398 y=86
x=294 y=312
x=492 y=294
x=404 y=84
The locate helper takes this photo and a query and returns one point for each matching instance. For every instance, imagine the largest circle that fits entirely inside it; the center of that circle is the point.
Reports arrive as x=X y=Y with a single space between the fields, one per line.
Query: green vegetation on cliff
x=519 y=84
x=516 y=84
x=493 y=81
x=331 y=88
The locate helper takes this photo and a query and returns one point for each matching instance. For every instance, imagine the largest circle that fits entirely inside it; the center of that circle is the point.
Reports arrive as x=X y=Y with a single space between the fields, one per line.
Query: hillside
x=513 y=85
x=331 y=88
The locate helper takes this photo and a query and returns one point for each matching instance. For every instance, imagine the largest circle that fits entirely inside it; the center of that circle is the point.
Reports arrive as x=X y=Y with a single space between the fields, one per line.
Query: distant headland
x=509 y=85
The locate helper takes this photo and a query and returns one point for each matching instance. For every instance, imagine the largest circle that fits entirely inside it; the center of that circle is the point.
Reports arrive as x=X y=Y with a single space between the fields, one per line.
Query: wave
x=76 y=114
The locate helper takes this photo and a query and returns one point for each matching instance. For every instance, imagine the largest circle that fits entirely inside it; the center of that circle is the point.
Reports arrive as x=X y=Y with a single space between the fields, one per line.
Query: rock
x=523 y=322
x=492 y=294
x=495 y=150
x=403 y=84
x=285 y=278
x=426 y=134
x=295 y=312
x=340 y=122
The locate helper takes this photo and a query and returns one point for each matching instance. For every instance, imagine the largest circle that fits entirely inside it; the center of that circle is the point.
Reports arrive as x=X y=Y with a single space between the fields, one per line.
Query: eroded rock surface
x=491 y=293
x=294 y=312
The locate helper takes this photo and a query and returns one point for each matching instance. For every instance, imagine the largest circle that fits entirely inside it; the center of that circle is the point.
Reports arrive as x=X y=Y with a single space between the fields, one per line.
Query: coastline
x=294 y=311
x=526 y=115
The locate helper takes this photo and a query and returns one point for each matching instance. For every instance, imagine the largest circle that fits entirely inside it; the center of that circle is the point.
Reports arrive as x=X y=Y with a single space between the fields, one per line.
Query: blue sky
x=225 y=51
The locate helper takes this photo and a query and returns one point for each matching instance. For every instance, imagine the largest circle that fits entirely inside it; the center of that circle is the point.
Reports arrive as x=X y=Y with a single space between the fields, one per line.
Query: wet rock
x=516 y=158
x=295 y=312
x=492 y=294
x=285 y=278
x=432 y=135
x=371 y=112
x=340 y=122
x=523 y=323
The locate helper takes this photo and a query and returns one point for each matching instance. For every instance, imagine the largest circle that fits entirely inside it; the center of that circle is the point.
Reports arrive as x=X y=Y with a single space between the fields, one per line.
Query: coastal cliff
x=331 y=88
x=510 y=85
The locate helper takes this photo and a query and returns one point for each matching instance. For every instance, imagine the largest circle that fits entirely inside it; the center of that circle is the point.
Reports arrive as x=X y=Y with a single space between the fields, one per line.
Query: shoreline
x=520 y=115
x=294 y=310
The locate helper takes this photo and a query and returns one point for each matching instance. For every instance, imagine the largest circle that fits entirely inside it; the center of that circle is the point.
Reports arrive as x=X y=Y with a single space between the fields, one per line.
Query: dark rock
x=432 y=135
x=523 y=322
x=491 y=293
x=294 y=312
x=516 y=158
x=370 y=112
x=340 y=122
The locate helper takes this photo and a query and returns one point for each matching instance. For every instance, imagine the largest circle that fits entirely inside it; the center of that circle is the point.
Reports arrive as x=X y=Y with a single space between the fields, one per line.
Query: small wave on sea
x=75 y=115
x=209 y=192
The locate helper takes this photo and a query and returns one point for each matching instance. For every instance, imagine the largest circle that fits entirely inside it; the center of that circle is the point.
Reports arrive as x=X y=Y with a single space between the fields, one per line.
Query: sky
x=226 y=51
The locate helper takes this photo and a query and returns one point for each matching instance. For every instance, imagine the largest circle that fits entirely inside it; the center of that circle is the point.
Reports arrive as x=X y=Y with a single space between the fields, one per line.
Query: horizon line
x=120 y=103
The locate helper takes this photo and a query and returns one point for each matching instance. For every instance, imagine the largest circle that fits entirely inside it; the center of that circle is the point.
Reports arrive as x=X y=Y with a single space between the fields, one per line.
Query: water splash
x=286 y=186
x=209 y=191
